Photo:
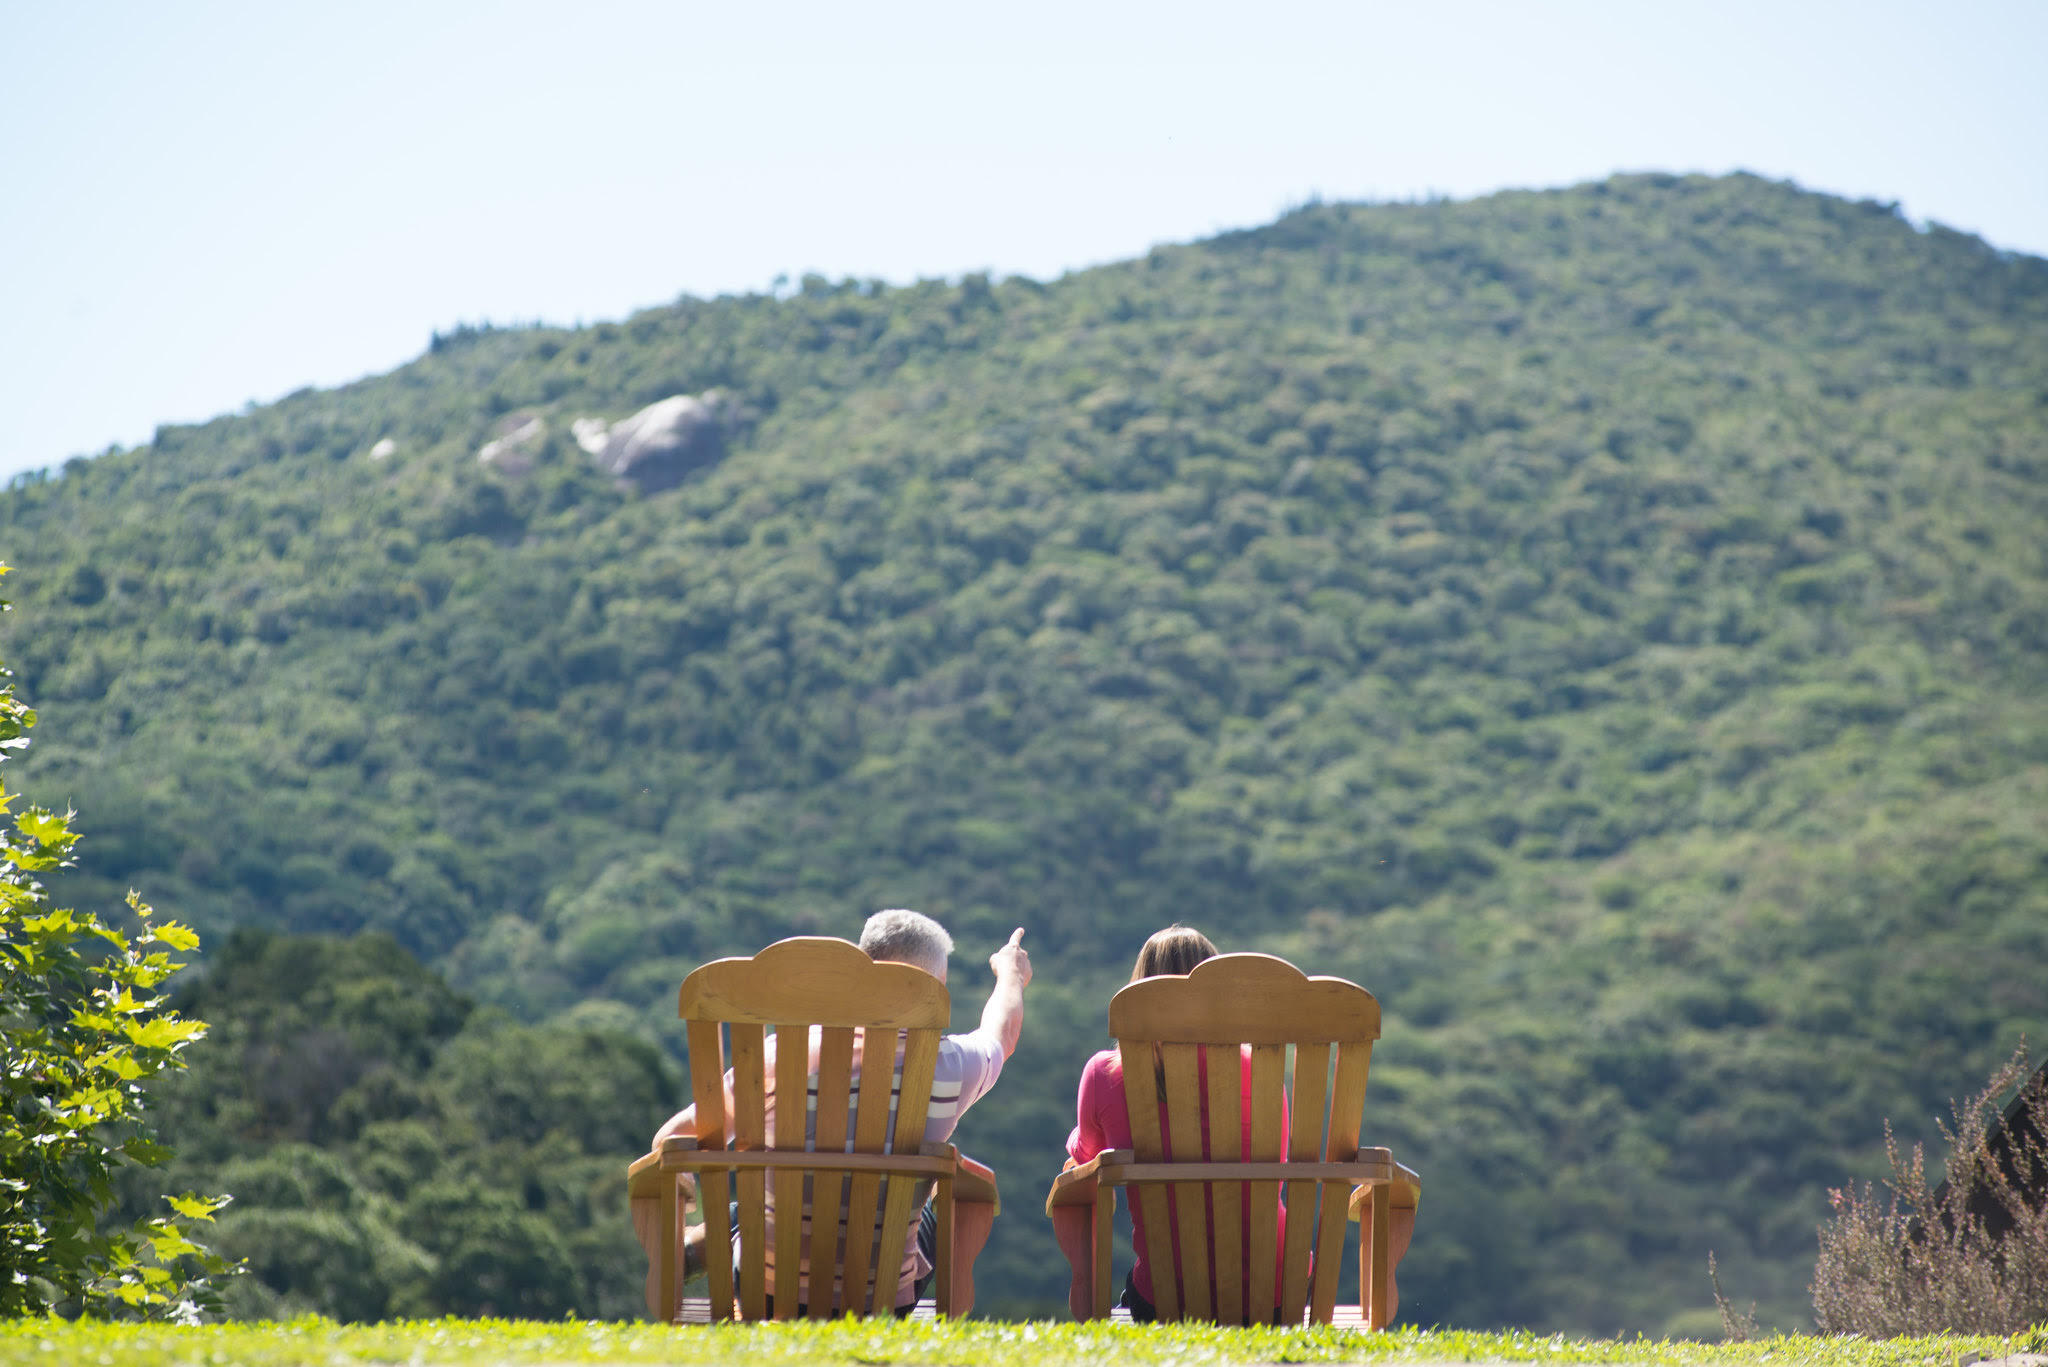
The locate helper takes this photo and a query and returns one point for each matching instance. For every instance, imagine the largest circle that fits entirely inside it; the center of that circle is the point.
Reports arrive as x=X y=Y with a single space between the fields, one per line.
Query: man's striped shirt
x=967 y=1068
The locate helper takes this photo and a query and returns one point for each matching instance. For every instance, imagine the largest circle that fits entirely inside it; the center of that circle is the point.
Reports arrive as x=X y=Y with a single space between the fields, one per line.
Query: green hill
x=1609 y=623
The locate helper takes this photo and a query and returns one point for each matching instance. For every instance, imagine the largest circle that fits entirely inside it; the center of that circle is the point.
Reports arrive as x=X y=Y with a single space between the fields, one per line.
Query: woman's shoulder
x=1101 y=1101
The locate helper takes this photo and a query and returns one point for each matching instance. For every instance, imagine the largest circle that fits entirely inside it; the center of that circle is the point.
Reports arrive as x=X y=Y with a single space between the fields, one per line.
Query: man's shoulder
x=970 y=1062
x=975 y=1048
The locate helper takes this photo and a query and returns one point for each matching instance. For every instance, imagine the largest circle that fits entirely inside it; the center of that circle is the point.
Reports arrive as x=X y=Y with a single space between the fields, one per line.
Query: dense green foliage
x=82 y=1028
x=488 y=1343
x=394 y=1152
x=1608 y=623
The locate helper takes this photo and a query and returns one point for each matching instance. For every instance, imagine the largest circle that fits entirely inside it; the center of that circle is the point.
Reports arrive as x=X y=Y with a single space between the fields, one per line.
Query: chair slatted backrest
x=795 y=988
x=1175 y=1029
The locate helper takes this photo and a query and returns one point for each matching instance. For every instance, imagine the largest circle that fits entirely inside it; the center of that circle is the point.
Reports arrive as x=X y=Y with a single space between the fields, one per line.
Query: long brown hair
x=1175 y=950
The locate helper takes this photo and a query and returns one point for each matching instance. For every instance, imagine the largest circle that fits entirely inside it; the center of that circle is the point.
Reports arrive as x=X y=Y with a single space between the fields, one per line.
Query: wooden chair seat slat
x=828 y=1189
x=792 y=1072
x=1304 y=1145
x=707 y=1090
x=1122 y=1168
x=750 y=1131
x=1141 y=1091
x=1347 y=1101
x=1268 y=1092
x=871 y=1135
x=1181 y=1066
x=1226 y=1143
x=921 y=1052
x=683 y=1159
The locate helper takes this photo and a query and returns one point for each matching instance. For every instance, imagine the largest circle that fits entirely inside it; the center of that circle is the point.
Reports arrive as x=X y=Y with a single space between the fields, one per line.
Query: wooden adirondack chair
x=795 y=986
x=1226 y=1003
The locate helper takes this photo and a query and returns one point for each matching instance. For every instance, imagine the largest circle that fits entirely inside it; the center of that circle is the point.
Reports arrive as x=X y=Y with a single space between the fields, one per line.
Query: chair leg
x=943 y=1208
x=972 y=1221
x=669 y=1254
x=1105 y=1220
x=1376 y=1261
x=1073 y=1227
x=647 y=1229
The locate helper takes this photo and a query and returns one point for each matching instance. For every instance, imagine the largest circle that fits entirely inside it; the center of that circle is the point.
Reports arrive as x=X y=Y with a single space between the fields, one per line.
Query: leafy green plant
x=84 y=1029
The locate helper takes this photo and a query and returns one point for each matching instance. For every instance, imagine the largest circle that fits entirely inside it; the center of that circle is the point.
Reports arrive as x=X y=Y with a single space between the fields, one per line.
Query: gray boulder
x=512 y=450
x=662 y=443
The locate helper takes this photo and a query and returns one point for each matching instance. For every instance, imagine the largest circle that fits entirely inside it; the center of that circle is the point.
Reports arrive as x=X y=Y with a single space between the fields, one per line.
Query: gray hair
x=907 y=937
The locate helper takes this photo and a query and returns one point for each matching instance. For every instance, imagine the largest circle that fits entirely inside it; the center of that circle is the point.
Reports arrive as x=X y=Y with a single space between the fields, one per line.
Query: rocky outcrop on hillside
x=512 y=450
x=662 y=443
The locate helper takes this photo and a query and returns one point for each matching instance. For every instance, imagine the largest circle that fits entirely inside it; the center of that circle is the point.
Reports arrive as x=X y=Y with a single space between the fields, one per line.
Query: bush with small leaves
x=82 y=1029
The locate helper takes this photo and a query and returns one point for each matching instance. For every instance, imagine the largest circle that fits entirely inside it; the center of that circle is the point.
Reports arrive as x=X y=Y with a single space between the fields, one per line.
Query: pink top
x=1102 y=1120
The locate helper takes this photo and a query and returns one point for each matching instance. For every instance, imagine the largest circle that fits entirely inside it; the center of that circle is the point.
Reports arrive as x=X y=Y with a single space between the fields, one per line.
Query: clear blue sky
x=203 y=204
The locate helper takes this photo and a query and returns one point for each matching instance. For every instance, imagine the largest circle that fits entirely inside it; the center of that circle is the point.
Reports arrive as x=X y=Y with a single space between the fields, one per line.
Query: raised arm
x=1003 y=1017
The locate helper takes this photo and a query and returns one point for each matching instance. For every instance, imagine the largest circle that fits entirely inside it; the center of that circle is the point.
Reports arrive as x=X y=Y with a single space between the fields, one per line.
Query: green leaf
x=170 y=1245
x=60 y=922
x=162 y=1032
x=178 y=937
x=145 y=1151
x=44 y=827
x=197 y=1207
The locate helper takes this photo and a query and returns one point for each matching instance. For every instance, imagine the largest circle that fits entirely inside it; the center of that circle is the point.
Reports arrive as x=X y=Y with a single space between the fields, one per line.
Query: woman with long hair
x=1102 y=1121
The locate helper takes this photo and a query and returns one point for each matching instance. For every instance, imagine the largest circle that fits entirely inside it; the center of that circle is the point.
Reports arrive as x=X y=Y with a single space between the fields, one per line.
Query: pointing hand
x=1011 y=960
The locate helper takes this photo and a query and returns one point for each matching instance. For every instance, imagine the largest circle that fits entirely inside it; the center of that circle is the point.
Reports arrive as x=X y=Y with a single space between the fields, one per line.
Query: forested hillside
x=1609 y=623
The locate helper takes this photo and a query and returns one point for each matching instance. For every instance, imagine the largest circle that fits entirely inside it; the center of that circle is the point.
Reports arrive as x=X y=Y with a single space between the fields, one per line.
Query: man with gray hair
x=968 y=1066
x=907 y=937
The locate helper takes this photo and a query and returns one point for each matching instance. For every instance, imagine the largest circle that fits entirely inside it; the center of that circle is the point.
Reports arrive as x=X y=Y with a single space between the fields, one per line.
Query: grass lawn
x=428 y=1343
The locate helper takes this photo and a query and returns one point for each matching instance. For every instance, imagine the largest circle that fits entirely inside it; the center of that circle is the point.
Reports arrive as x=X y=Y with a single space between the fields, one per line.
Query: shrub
x=1967 y=1256
x=81 y=1029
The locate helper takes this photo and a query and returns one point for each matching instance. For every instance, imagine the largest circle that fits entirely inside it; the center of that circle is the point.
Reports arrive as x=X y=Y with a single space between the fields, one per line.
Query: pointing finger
x=1016 y=938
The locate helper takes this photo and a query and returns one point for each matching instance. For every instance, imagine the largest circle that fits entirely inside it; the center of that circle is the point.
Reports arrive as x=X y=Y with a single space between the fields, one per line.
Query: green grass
x=420 y=1343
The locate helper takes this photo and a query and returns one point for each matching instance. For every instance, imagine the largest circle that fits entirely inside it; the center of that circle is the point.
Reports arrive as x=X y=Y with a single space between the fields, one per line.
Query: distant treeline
x=394 y=1152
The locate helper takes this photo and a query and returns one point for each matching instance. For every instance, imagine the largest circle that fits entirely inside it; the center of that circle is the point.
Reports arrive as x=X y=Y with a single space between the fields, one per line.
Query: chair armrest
x=1406 y=1189
x=977 y=1182
x=974 y=1181
x=645 y=1177
x=1076 y=1186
